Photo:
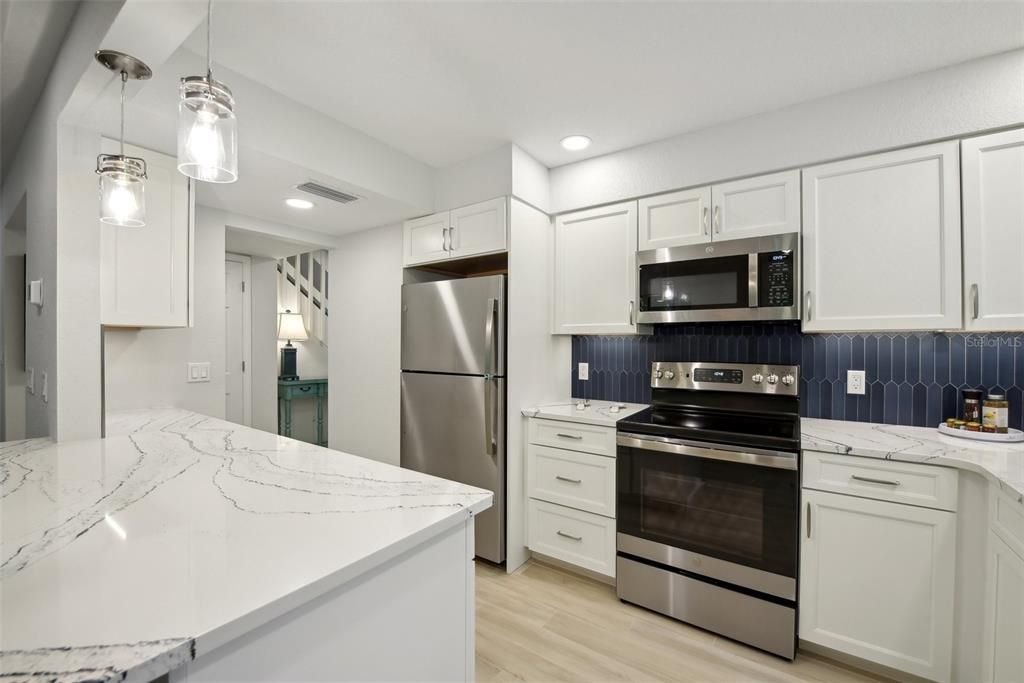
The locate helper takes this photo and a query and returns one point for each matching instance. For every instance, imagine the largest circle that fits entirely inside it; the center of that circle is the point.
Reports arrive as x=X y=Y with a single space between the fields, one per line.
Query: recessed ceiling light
x=575 y=143
x=297 y=203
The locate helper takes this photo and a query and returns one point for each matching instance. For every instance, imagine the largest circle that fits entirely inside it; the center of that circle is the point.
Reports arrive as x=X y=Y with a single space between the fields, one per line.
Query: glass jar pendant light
x=122 y=178
x=207 y=128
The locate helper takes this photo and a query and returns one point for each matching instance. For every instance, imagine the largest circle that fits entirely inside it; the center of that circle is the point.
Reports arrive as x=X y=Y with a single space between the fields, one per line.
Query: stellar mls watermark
x=978 y=341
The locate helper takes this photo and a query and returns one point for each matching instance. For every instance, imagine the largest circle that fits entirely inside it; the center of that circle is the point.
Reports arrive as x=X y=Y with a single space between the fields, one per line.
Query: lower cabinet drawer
x=927 y=486
x=579 y=538
x=574 y=436
x=578 y=480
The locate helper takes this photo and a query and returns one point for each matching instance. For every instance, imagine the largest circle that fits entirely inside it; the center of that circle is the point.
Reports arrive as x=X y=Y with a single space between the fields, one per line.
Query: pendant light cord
x=124 y=80
x=209 y=40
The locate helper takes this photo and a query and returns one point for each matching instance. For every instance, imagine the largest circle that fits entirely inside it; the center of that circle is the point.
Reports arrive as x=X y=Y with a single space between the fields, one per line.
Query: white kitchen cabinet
x=993 y=199
x=675 y=219
x=881 y=242
x=146 y=273
x=595 y=271
x=876 y=581
x=478 y=229
x=425 y=239
x=472 y=230
x=1004 y=620
x=755 y=207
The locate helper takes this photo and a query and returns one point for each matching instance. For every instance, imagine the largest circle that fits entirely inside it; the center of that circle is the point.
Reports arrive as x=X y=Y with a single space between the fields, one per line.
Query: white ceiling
x=445 y=81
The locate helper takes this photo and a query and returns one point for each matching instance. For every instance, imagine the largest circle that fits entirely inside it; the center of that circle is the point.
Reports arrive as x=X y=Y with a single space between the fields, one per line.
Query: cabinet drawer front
x=579 y=480
x=1008 y=518
x=580 y=538
x=574 y=436
x=923 y=485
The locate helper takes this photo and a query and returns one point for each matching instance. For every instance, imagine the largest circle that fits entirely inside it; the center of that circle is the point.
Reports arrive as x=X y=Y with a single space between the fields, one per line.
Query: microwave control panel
x=776 y=278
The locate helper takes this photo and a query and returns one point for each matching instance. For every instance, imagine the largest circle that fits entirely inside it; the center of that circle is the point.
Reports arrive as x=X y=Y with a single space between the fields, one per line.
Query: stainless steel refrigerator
x=453 y=391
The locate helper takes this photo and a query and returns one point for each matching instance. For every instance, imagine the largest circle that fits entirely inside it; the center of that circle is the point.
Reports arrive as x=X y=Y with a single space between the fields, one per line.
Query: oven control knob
x=788 y=380
x=658 y=374
x=757 y=378
x=669 y=374
x=773 y=378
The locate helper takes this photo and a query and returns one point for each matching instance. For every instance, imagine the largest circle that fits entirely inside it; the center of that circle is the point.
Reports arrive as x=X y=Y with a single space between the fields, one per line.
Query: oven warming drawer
x=763 y=624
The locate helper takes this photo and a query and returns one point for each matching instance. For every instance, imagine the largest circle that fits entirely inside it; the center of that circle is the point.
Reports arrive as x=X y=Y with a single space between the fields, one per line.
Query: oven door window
x=740 y=513
x=720 y=282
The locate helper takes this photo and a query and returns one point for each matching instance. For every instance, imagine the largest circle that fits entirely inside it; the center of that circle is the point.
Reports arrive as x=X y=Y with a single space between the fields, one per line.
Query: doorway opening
x=13 y=398
x=238 y=339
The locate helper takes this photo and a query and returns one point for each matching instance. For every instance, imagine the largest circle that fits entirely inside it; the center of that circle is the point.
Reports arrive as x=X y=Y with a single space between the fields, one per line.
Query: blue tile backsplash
x=912 y=378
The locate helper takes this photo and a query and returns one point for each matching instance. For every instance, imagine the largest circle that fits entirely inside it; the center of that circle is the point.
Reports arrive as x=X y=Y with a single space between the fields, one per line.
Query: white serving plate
x=1013 y=436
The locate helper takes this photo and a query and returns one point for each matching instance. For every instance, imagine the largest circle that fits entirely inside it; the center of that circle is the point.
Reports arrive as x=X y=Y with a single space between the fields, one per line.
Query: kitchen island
x=187 y=545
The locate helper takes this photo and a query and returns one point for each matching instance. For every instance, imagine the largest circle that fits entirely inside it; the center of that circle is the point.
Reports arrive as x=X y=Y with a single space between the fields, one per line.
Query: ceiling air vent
x=327 y=192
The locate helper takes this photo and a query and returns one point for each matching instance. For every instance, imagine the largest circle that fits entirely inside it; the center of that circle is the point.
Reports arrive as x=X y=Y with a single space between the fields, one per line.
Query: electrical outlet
x=198 y=372
x=30 y=380
x=584 y=371
x=855 y=382
x=46 y=389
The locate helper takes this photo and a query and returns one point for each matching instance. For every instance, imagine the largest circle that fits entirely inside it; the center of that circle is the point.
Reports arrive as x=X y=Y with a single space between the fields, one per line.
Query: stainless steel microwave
x=746 y=279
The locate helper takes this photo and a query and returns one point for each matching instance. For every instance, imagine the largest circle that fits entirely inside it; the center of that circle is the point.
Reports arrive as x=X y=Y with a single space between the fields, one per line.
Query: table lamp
x=289 y=327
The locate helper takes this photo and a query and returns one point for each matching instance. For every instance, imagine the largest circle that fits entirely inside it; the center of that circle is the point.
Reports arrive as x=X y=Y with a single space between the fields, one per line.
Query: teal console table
x=290 y=389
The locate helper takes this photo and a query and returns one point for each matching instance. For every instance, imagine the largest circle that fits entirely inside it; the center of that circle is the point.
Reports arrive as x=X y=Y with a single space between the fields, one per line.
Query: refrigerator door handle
x=490 y=330
x=490 y=415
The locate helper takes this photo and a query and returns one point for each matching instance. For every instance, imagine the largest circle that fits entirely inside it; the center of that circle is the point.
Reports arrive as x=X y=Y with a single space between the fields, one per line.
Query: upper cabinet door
x=754 y=207
x=993 y=196
x=146 y=273
x=675 y=219
x=479 y=229
x=426 y=239
x=595 y=271
x=881 y=241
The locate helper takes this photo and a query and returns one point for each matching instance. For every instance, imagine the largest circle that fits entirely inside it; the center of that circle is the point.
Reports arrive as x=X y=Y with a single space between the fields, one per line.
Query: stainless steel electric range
x=708 y=499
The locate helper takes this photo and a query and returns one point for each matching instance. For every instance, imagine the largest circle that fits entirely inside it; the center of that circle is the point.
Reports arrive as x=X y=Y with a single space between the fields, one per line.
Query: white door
x=876 y=581
x=595 y=271
x=754 y=207
x=479 y=229
x=426 y=239
x=145 y=277
x=675 y=219
x=881 y=239
x=1004 y=627
x=237 y=340
x=993 y=196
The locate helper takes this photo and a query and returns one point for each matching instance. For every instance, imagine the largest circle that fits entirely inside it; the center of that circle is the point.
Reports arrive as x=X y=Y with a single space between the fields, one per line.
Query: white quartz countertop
x=597 y=413
x=1002 y=463
x=123 y=558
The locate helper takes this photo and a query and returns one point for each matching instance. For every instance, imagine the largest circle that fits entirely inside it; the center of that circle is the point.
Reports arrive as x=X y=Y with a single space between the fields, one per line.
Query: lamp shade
x=291 y=327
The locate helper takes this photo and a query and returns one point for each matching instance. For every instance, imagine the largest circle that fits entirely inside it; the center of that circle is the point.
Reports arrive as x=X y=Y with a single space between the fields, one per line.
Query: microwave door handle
x=752 y=280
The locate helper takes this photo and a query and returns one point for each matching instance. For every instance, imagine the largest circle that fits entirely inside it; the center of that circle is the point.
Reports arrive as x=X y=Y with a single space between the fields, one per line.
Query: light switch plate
x=198 y=372
x=584 y=371
x=35 y=293
x=855 y=382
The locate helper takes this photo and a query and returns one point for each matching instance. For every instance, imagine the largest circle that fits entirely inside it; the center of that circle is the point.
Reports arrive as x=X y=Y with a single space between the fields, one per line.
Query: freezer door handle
x=490 y=331
x=490 y=415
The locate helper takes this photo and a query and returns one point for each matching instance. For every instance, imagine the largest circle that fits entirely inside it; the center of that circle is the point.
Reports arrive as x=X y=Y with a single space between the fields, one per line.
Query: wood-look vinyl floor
x=545 y=624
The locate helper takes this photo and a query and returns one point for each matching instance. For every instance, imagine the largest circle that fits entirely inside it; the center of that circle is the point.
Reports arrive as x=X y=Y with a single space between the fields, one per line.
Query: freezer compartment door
x=455 y=326
x=453 y=427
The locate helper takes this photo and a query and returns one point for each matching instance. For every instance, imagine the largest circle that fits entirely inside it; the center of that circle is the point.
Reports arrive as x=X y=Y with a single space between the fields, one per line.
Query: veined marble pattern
x=1002 y=463
x=177 y=528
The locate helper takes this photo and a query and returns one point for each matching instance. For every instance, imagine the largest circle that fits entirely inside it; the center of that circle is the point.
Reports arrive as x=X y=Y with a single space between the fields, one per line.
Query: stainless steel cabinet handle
x=567 y=479
x=569 y=536
x=444 y=239
x=451 y=238
x=808 y=520
x=705 y=220
x=974 y=299
x=569 y=436
x=630 y=312
x=718 y=219
x=807 y=306
x=884 y=482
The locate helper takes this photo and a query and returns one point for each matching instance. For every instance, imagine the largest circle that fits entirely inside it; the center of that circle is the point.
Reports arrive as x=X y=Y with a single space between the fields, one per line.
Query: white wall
x=969 y=97
x=365 y=348
x=483 y=177
x=148 y=368
x=263 y=292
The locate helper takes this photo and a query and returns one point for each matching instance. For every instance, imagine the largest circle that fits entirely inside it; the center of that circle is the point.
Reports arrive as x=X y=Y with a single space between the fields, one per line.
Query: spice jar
x=951 y=422
x=995 y=411
x=974 y=426
x=988 y=429
x=972 y=405
x=960 y=424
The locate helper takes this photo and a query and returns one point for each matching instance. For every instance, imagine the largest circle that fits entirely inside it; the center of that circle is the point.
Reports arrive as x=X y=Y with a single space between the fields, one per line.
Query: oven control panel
x=745 y=377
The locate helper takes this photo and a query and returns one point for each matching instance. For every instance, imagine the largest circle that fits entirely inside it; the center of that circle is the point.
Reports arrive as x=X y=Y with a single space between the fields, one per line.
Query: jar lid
x=972 y=393
x=996 y=397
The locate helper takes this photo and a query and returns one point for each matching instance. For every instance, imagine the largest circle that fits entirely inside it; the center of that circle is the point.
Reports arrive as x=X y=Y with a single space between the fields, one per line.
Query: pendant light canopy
x=122 y=178
x=207 y=128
